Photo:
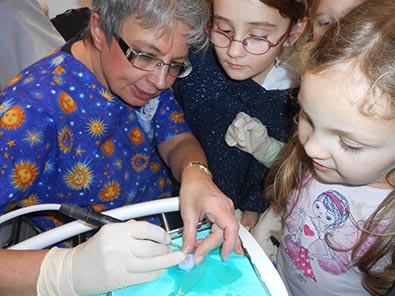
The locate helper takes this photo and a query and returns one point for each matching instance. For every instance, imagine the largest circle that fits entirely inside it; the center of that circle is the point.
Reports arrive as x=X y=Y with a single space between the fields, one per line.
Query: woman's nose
x=161 y=78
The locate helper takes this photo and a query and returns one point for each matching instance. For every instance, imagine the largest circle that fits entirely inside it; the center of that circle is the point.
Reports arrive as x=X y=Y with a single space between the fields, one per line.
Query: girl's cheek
x=303 y=131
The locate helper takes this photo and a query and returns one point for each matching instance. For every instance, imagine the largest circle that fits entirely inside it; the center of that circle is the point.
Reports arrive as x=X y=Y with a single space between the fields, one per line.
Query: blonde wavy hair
x=364 y=39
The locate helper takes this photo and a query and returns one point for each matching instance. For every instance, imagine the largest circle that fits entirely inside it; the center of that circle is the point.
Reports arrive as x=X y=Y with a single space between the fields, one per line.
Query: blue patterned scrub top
x=65 y=138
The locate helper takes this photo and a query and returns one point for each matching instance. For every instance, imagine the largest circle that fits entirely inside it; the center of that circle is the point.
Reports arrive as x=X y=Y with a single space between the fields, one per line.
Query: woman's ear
x=96 y=31
x=296 y=31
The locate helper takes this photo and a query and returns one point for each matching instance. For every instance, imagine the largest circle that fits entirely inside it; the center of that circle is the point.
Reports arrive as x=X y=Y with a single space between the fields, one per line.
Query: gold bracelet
x=198 y=164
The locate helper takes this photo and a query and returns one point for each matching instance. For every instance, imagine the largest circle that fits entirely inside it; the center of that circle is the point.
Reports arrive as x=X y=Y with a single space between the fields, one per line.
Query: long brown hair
x=364 y=39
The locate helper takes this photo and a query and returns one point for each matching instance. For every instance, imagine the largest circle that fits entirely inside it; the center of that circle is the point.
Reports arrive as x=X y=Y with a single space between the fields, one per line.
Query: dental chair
x=71 y=229
x=262 y=265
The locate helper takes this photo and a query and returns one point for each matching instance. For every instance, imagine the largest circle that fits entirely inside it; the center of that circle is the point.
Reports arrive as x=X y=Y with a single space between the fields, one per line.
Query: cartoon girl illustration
x=329 y=212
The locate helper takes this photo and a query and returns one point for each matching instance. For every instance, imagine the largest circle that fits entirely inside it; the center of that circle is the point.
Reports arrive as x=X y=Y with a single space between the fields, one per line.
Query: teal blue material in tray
x=234 y=277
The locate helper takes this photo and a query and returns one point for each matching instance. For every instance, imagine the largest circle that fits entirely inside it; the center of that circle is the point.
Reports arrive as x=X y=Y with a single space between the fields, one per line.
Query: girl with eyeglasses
x=242 y=72
x=250 y=135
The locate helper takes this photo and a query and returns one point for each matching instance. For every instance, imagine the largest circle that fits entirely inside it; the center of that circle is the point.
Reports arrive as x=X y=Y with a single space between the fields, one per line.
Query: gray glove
x=250 y=135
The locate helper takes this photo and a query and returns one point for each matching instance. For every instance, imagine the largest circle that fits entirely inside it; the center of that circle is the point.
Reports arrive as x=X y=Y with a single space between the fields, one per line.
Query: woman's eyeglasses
x=149 y=63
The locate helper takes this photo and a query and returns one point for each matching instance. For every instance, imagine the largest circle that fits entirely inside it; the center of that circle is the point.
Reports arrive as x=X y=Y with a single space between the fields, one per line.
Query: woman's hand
x=119 y=255
x=200 y=198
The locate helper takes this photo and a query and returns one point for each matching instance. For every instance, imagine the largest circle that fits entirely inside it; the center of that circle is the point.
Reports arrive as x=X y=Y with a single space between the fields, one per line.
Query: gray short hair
x=152 y=13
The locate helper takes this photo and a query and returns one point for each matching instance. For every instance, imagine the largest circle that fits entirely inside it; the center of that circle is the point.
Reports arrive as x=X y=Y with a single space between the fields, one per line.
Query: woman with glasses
x=242 y=73
x=95 y=124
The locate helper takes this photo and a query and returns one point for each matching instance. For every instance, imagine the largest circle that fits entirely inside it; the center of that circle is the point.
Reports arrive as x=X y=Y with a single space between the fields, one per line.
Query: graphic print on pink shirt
x=307 y=230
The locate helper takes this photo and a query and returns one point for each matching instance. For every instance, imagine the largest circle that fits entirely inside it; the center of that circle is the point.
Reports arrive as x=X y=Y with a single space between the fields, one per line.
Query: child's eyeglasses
x=253 y=45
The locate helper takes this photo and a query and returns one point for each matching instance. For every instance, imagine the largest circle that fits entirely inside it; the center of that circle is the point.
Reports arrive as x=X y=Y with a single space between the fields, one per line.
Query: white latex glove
x=119 y=255
x=250 y=135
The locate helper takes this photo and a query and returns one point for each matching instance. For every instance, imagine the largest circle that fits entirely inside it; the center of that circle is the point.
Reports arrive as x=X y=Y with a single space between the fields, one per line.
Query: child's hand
x=250 y=135
x=119 y=255
x=249 y=219
x=269 y=225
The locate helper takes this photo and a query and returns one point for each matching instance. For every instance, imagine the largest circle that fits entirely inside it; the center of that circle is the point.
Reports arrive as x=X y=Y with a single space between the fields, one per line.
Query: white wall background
x=56 y=7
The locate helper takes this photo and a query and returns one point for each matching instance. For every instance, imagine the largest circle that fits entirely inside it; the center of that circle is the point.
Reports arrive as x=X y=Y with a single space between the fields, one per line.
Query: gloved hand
x=250 y=135
x=119 y=255
x=269 y=225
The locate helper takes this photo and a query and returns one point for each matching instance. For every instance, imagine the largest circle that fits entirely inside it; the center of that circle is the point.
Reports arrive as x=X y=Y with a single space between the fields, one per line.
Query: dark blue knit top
x=211 y=101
